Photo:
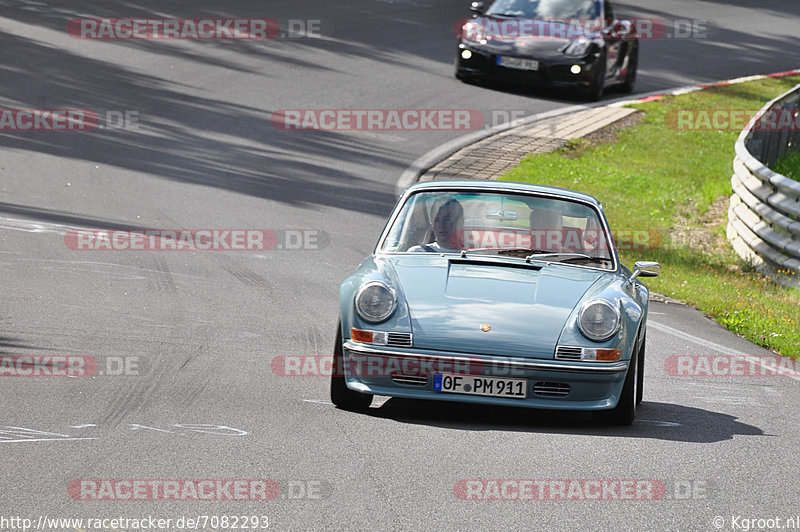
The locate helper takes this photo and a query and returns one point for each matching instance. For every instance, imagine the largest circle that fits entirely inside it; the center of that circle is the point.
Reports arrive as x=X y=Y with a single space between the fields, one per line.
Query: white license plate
x=518 y=63
x=477 y=385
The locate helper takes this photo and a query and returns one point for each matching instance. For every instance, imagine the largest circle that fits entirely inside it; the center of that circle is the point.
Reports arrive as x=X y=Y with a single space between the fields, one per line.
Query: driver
x=447 y=229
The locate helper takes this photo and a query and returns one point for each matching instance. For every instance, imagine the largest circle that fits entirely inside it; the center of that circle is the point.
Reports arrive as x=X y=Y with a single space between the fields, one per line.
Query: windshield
x=545 y=9
x=498 y=223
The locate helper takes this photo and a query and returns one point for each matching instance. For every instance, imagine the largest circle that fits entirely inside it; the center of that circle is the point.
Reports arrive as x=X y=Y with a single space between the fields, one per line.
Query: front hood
x=450 y=299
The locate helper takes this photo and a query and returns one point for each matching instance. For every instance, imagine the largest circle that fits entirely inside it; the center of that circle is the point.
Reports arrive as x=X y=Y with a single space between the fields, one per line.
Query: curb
x=430 y=159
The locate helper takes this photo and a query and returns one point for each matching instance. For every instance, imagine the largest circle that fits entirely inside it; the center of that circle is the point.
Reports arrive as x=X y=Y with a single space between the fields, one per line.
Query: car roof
x=511 y=186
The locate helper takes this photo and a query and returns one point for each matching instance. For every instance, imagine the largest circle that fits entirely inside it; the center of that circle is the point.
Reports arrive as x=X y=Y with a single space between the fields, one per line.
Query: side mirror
x=645 y=269
x=477 y=7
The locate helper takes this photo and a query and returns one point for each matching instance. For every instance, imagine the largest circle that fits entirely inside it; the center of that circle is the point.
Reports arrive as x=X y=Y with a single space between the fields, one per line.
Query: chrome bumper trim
x=610 y=368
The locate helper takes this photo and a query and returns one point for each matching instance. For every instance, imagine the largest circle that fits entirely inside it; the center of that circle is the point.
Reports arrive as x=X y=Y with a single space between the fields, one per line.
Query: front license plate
x=518 y=63
x=475 y=385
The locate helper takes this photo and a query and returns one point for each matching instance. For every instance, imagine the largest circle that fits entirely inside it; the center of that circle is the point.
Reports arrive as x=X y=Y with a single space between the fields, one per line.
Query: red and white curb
x=652 y=97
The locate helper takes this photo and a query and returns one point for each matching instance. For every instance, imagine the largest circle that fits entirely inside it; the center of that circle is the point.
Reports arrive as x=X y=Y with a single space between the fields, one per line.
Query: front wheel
x=342 y=396
x=625 y=411
x=640 y=362
x=595 y=92
x=633 y=66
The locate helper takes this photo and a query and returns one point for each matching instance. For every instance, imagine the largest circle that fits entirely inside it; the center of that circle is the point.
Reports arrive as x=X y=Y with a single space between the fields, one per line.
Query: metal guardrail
x=764 y=213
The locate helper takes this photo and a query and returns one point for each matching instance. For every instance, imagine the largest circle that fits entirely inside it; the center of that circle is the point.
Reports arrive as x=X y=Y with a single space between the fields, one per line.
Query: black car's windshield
x=545 y=9
x=502 y=224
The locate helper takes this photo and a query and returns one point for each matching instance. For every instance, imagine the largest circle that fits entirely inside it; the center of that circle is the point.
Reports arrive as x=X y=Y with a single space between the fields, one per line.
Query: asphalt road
x=199 y=330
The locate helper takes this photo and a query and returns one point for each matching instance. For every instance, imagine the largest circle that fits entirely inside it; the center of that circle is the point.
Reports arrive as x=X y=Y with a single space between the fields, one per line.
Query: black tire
x=625 y=411
x=633 y=66
x=595 y=93
x=342 y=396
x=640 y=369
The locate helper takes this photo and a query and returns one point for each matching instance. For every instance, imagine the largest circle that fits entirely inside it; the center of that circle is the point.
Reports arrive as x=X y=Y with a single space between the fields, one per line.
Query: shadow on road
x=661 y=421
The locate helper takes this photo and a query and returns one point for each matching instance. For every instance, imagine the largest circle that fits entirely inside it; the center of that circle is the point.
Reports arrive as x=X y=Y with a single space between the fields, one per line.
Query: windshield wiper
x=587 y=258
x=501 y=251
x=546 y=254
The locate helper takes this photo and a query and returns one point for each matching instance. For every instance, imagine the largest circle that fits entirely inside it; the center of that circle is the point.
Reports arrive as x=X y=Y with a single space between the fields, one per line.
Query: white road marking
x=317 y=402
x=17 y=224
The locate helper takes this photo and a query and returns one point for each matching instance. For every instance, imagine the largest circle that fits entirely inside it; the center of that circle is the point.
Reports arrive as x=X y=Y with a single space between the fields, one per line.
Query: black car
x=575 y=44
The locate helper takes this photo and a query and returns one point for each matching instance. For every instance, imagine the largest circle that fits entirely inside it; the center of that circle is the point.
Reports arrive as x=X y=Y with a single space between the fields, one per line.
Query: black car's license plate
x=477 y=385
x=518 y=63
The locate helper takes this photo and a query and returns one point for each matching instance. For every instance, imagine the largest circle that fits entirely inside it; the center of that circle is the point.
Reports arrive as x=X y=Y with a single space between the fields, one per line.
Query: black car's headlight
x=375 y=301
x=598 y=320
x=577 y=48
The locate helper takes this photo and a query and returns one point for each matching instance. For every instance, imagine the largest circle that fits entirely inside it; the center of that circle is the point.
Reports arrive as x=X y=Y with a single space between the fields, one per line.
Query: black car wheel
x=625 y=411
x=342 y=396
x=633 y=66
x=640 y=363
x=595 y=93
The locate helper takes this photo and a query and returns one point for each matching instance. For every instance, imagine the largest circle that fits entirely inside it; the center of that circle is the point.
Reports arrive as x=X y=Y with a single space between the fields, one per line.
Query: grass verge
x=789 y=165
x=656 y=175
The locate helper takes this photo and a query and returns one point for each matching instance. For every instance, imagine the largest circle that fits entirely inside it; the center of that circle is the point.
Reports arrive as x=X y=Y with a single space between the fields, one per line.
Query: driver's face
x=444 y=223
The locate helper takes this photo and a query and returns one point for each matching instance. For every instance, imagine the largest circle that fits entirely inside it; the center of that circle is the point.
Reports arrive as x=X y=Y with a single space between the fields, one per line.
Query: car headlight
x=577 y=48
x=598 y=320
x=375 y=301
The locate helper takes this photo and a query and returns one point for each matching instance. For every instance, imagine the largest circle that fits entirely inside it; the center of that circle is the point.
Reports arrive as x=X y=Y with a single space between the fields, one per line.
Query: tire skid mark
x=248 y=277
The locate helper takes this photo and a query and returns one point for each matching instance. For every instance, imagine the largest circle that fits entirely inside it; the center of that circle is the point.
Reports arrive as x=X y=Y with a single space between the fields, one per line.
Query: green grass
x=657 y=176
x=789 y=165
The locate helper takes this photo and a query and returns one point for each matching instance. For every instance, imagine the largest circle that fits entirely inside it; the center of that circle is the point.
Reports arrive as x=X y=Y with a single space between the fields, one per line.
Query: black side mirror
x=477 y=7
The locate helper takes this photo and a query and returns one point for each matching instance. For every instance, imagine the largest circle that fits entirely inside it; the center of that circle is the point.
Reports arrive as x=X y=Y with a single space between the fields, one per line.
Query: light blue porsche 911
x=495 y=293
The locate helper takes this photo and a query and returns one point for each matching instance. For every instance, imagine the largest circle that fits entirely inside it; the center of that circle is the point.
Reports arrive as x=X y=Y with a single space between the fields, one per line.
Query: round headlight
x=598 y=320
x=375 y=301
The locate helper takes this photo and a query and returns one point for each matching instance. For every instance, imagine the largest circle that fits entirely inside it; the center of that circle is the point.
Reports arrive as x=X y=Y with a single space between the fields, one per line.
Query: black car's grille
x=411 y=380
x=551 y=389
x=396 y=339
x=569 y=353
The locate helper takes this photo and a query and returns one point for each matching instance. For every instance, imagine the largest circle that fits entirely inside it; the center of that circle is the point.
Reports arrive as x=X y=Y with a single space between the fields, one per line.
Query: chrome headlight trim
x=362 y=312
x=611 y=332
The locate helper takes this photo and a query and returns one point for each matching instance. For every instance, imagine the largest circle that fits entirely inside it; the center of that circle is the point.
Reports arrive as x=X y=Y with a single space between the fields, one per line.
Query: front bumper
x=552 y=71
x=551 y=384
